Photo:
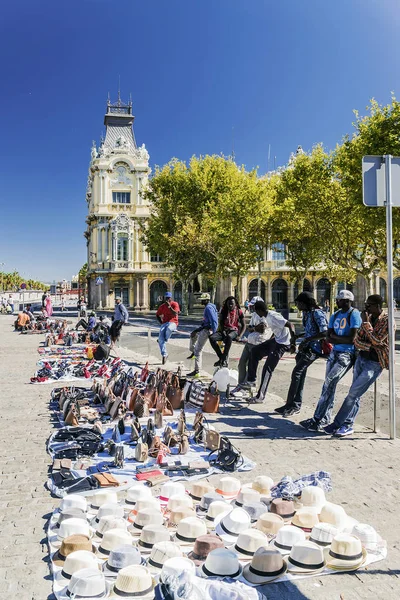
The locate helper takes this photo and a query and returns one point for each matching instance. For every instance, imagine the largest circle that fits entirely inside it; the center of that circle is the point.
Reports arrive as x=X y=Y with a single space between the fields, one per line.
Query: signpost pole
x=389 y=258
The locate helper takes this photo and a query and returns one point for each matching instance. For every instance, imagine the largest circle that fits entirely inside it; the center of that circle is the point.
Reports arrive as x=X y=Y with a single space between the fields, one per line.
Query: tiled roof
x=113 y=132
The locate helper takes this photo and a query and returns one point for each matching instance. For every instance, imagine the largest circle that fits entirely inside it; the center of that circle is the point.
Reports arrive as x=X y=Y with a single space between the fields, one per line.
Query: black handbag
x=228 y=457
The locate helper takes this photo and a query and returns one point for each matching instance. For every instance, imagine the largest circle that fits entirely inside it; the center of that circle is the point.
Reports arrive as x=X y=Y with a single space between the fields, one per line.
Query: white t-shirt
x=276 y=322
x=255 y=337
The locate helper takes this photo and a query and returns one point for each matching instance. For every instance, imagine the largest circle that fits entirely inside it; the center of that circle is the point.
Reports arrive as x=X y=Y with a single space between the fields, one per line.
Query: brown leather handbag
x=117 y=409
x=141 y=407
x=211 y=399
x=164 y=406
x=174 y=393
x=150 y=391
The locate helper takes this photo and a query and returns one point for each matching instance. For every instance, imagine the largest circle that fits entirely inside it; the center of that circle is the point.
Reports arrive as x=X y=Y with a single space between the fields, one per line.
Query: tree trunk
x=259 y=279
x=332 y=296
x=213 y=292
x=238 y=286
x=185 y=297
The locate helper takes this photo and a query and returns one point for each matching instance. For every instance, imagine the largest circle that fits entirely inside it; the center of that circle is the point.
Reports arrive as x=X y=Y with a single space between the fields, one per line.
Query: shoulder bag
x=211 y=399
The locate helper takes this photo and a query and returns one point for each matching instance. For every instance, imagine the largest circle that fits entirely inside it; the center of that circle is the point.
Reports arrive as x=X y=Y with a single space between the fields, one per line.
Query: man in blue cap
x=167 y=315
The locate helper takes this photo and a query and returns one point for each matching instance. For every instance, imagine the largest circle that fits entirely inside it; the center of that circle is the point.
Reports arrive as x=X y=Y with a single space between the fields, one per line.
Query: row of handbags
x=203 y=397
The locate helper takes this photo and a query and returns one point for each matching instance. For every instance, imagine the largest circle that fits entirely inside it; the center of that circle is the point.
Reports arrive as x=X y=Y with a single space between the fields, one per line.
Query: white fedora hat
x=199 y=488
x=216 y=508
x=370 y=539
x=150 y=535
x=306 y=518
x=107 y=510
x=146 y=516
x=206 y=500
x=73 y=501
x=246 y=495
x=248 y=542
x=336 y=516
x=346 y=553
x=135 y=493
x=133 y=582
x=228 y=526
x=81 y=559
x=266 y=565
x=112 y=539
x=221 y=563
x=270 y=524
x=287 y=536
x=178 y=501
x=263 y=485
x=85 y=585
x=228 y=487
x=314 y=496
x=109 y=522
x=323 y=534
x=306 y=557
x=173 y=567
x=161 y=552
x=171 y=488
x=101 y=497
x=189 y=530
x=140 y=504
x=70 y=527
x=255 y=510
x=68 y=513
x=181 y=512
x=122 y=556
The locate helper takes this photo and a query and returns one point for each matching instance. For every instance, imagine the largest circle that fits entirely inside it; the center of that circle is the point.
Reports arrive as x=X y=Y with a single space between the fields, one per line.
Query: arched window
x=157 y=292
x=122 y=246
x=280 y=294
x=323 y=290
x=383 y=289
x=253 y=288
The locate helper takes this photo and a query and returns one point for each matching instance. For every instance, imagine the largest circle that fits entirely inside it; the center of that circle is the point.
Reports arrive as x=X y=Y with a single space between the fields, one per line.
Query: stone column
x=145 y=290
x=291 y=293
x=131 y=291
x=107 y=233
x=268 y=290
x=314 y=287
x=136 y=243
x=99 y=243
x=244 y=291
x=137 y=294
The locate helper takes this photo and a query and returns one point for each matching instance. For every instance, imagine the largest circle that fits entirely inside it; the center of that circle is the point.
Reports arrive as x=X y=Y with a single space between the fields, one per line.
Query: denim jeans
x=196 y=345
x=166 y=330
x=338 y=364
x=295 y=393
x=365 y=373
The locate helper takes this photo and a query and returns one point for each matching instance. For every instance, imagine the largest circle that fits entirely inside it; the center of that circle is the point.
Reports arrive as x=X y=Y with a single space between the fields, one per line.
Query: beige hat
x=305 y=518
x=287 y=537
x=161 y=552
x=269 y=524
x=173 y=567
x=150 y=535
x=247 y=496
x=146 y=516
x=135 y=493
x=111 y=540
x=133 y=582
x=346 y=553
x=306 y=557
x=109 y=522
x=101 y=497
x=106 y=510
x=178 y=501
x=199 y=488
x=80 y=559
x=216 y=508
x=140 y=504
x=228 y=487
x=248 y=542
x=73 y=543
x=323 y=534
x=263 y=485
x=335 y=515
x=181 y=512
x=314 y=496
x=73 y=501
x=266 y=565
x=221 y=563
x=189 y=530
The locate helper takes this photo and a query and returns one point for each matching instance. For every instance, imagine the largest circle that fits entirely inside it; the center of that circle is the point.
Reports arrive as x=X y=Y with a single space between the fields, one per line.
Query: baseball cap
x=205 y=296
x=118 y=298
x=256 y=299
x=345 y=295
x=168 y=295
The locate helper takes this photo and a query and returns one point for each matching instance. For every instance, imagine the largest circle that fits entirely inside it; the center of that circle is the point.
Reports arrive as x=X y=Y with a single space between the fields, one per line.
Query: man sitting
x=199 y=336
x=231 y=327
x=23 y=322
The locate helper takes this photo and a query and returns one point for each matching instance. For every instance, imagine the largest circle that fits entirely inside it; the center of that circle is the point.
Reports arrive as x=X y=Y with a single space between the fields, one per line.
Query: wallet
x=156 y=479
x=62 y=463
x=106 y=479
x=145 y=476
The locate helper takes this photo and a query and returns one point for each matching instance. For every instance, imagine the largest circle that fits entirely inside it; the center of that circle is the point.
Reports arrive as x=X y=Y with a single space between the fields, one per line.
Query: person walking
x=10 y=303
x=372 y=342
x=121 y=317
x=231 y=327
x=167 y=315
x=49 y=305
x=342 y=329
x=199 y=336
x=315 y=329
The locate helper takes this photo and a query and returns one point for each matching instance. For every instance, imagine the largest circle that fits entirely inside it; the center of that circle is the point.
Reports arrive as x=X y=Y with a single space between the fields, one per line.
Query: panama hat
x=203 y=546
x=200 y=488
x=73 y=501
x=306 y=557
x=101 y=497
x=85 y=585
x=178 y=501
x=189 y=530
x=69 y=527
x=146 y=516
x=263 y=485
x=248 y=542
x=269 y=524
x=314 y=496
x=287 y=536
x=283 y=508
x=173 y=567
x=150 y=535
x=110 y=509
x=135 y=493
x=336 y=516
x=161 y=552
x=106 y=523
x=181 y=512
x=80 y=559
x=346 y=553
x=221 y=563
x=70 y=544
x=171 y=488
x=228 y=487
x=323 y=534
x=216 y=508
x=206 y=501
x=112 y=539
x=266 y=565
x=119 y=558
x=245 y=496
x=146 y=503
x=68 y=513
x=255 y=510
x=305 y=518
x=133 y=582
x=228 y=526
x=370 y=539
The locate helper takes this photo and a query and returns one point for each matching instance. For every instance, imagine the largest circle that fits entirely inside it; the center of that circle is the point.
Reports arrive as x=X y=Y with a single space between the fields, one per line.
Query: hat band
x=296 y=563
x=198 y=556
x=288 y=516
x=66 y=575
x=266 y=573
x=164 y=499
x=307 y=529
x=77 y=596
x=130 y=502
x=104 y=551
x=238 y=503
x=185 y=539
x=138 y=526
x=344 y=556
x=319 y=543
x=227 y=530
x=282 y=546
x=153 y=563
x=131 y=594
x=100 y=535
x=113 y=569
x=210 y=574
x=195 y=497
x=210 y=518
x=145 y=544
x=222 y=493
x=246 y=552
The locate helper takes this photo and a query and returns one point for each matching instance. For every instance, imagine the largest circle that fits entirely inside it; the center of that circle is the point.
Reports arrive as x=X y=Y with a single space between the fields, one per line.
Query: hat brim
x=59 y=561
x=260 y=580
x=341 y=565
x=240 y=555
x=113 y=574
x=200 y=572
x=228 y=539
x=299 y=570
x=62 y=594
x=149 y=595
x=281 y=550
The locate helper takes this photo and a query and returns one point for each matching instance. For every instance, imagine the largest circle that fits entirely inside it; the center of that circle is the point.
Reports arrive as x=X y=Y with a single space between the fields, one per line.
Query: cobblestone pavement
x=364 y=469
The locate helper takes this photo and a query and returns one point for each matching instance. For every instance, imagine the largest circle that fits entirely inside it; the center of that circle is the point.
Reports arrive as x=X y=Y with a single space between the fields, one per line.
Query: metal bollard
x=377 y=409
x=148 y=341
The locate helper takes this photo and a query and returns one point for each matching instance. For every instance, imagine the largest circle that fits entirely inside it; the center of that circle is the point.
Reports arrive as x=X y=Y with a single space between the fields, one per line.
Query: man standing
x=284 y=340
x=121 y=317
x=231 y=326
x=372 y=341
x=199 y=336
x=342 y=329
x=167 y=315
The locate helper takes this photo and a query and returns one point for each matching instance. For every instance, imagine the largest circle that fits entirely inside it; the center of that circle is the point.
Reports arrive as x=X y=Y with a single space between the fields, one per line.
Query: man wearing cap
x=167 y=315
x=199 y=336
x=342 y=329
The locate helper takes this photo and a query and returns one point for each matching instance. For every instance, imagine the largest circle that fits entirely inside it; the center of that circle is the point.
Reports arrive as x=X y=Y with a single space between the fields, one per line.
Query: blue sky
x=201 y=73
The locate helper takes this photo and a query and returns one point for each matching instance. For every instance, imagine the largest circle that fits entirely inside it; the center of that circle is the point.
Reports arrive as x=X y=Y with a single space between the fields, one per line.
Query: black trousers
x=227 y=337
x=84 y=324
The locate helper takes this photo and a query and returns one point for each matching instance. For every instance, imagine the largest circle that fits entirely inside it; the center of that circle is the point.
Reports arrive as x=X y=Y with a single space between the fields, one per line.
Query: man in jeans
x=121 y=317
x=199 y=336
x=372 y=341
x=342 y=329
x=167 y=315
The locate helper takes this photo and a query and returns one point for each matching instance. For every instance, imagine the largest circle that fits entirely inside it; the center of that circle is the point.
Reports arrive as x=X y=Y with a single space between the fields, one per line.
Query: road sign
x=23 y=286
x=99 y=280
x=374 y=180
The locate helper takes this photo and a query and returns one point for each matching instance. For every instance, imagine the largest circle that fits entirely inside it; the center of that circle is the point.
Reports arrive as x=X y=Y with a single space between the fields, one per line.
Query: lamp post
x=100 y=306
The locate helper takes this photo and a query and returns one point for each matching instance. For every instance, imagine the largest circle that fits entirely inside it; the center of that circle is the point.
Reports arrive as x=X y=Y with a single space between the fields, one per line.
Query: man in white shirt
x=284 y=340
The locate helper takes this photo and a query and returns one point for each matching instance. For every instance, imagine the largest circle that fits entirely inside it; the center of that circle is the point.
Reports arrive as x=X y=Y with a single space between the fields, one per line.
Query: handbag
x=164 y=406
x=174 y=392
x=150 y=391
x=196 y=395
x=213 y=440
x=228 y=458
x=141 y=407
x=117 y=410
x=141 y=451
x=144 y=372
x=211 y=399
x=106 y=479
x=158 y=419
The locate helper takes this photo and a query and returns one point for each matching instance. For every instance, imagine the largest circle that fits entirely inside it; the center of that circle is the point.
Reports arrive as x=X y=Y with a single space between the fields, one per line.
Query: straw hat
x=346 y=553
x=181 y=512
x=305 y=518
x=135 y=493
x=133 y=582
x=266 y=565
x=140 y=504
x=173 y=567
x=336 y=516
x=69 y=527
x=112 y=539
x=146 y=516
x=86 y=584
x=80 y=559
x=255 y=510
x=171 y=488
x=189 y=530
x=206 y=501
x=203 y=546
x=178 y=501
x=109 y=522
x=370 y=539
x=228 y=487
x=246 y=496
x=287 y=536
x=119 y=558
x=263 y=485
x=283 y=508
x=269 y=524
x=199 y=488
x=70 y=544
x=107 y=510
x=216 y=508
x=228 y=526
x=306 y=557
x=323 y=534
x=73 y=501
x=313 y=495
x=68 y=513
x=101 y=497
x=221 y=563
x=150 y=535
x=248 y=542
x=161 y=552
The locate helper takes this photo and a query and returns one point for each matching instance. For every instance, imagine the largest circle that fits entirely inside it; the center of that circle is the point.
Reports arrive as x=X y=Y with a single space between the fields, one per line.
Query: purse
x=71 y=418
x=228 y=458
x=158 y=419
x=119 y=457
x=174 y=393
x=144 y=372
x=213 y=440
x=211 y=399
x=141 y=451
x=141 y=407
x=163 y=405
x=106 y=479
x=196 y=395
x=182 y=422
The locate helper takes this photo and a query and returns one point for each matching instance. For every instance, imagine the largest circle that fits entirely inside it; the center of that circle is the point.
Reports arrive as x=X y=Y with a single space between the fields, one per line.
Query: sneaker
x=280 y=410
x=329 y=429
x=190 y=357
x=164 y=359
x=237 y=389
x=217 y=364
x=310 y=424
x=289 y=412
x=255 y=400
x=224 y=363
x=193 y=374
x=248 y=385
x=343 y=431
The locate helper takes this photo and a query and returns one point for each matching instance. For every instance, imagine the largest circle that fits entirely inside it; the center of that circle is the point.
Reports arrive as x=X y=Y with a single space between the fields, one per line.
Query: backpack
x=102 y=352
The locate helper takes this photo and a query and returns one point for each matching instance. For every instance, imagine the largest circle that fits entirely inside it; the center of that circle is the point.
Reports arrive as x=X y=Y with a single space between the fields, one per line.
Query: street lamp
x=100 y=264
